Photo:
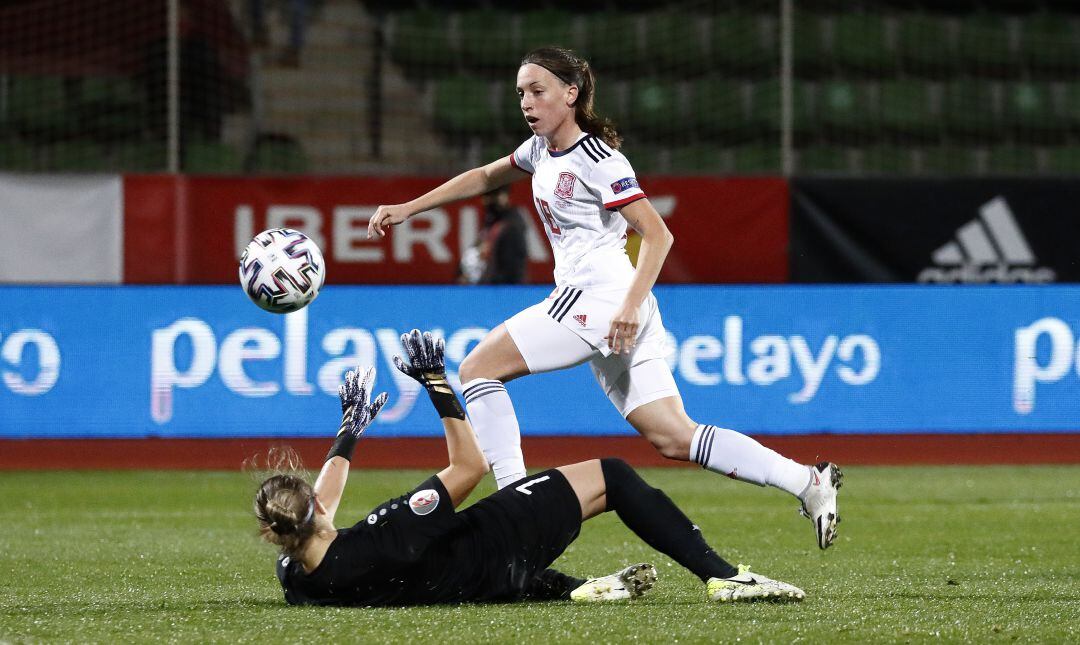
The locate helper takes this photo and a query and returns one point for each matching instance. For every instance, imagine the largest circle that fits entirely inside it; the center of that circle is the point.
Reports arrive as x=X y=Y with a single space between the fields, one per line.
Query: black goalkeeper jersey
x=415 y=550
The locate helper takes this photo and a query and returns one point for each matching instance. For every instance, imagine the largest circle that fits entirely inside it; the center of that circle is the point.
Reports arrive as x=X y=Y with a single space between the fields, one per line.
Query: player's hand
x=425 y=352
x=622 y=334
x=357 y=408
x=385 y=217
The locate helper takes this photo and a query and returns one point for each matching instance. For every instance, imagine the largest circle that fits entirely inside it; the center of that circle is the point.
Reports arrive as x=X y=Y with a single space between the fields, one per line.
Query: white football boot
x=631 y=582
x=819 y=501
x=748 y=587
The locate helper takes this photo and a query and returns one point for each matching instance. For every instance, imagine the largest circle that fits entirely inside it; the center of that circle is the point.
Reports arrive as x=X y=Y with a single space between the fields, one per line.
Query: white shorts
x=569 y=327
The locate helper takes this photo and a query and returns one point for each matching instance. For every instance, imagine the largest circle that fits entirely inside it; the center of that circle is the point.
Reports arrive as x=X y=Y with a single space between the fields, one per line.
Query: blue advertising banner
x=115 y=362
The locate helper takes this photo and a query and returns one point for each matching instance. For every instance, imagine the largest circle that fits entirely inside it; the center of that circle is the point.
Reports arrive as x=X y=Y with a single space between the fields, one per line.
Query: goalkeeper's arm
x=467 y=463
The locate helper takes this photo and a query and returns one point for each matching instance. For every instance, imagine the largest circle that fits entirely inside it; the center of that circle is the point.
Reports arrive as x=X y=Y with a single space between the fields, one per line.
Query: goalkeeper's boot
x=631 y=582
x=819 y=501
x=746 y=587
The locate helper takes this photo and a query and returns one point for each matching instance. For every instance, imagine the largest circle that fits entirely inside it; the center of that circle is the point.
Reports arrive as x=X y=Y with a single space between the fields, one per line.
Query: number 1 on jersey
x=544 y=209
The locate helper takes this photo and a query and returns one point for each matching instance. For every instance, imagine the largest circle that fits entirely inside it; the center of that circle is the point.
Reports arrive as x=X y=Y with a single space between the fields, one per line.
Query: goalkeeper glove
x=426 y=365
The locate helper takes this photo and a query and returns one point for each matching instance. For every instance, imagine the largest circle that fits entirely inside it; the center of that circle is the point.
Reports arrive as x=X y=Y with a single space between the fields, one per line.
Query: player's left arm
x=357 y=413
x=656 y=241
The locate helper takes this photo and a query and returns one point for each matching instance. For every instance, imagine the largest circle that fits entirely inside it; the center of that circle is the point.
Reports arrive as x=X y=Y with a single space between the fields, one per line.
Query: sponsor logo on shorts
x=424 y=501
x=565 y=187
x=580 y=318
x=624 y=184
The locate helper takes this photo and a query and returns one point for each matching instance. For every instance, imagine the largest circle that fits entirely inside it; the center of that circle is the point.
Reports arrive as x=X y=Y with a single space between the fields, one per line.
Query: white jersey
x=576 y=193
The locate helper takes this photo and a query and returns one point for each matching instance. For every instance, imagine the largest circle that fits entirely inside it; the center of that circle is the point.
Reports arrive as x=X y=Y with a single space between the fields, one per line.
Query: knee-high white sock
x=493 y=417
x=738 y=456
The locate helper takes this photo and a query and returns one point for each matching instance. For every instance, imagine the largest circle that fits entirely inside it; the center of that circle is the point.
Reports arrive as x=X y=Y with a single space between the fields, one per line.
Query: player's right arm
x=468 y=184
x=427 y=366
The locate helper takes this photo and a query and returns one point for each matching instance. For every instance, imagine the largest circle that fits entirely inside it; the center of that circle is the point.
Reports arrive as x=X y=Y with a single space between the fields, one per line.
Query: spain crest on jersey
x=565 y=187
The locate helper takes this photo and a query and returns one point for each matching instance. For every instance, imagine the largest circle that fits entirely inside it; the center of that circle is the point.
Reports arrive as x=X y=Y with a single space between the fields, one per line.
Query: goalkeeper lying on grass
x=416 y=549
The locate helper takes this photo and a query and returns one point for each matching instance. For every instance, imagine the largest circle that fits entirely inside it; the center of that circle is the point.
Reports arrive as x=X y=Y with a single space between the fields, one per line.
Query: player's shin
x=653 y=517
x=738 y=456
x=493 y=417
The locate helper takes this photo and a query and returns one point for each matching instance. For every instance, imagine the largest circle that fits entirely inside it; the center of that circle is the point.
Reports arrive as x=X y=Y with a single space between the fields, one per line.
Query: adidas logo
x=990 y=248
x=581 y=319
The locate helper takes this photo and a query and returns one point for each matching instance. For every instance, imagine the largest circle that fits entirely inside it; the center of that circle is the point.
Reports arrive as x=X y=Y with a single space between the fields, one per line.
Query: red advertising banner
x=184 y=230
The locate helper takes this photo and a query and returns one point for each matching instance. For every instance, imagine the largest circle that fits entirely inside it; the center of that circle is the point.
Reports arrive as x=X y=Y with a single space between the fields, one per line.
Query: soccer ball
x=282 y=270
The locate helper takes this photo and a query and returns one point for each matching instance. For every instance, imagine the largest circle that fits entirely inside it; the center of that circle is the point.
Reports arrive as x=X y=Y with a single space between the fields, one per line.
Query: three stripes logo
x=990 y=248
x=564 y=303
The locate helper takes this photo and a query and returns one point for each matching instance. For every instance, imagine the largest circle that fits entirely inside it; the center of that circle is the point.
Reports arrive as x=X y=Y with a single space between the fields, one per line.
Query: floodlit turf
x=953 y=554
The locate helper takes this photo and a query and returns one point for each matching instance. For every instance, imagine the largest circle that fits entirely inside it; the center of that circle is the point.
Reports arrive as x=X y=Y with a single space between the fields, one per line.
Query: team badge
x=624 y=184
x=565 y=187
x=423 y=502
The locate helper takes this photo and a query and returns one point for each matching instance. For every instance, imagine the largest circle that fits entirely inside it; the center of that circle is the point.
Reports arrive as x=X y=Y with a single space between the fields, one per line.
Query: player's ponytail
x=285 y=502
x=571 y=69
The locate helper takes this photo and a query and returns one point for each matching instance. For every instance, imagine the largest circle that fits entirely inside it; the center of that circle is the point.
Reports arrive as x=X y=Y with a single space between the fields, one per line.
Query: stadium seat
x=38 y=109
x=947 y=161
x=645 y=159
x=75 y=156
x=653 y=108
x=463 y=106
x=211 y=157
x=17 y=156
x=1071 y=106
x=906 y=110
x=861 y=44
x=1051 y=44
x=612 y=45
x=844 y=109
x=985 y=47
x=276 y=153
x=140 y=156
x=676 y=43
x=886 y=160
x=511 y=119
x=1064 y=160
x=548 y=27
x=971 y=109
x=822 y=160
x=717 y=108
x=745 y=44
x=698 y=159
x=808 y=45
x=925 y=44
x=110 y=108
x=487 y=42
x=757 y=159
x=420 y=42
x=1029 y=111
x=765 y=107
x=1011 y=160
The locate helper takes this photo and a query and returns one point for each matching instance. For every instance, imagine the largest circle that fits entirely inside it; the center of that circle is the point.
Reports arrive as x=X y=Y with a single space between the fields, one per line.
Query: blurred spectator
x=297 y=18
x=501 y=255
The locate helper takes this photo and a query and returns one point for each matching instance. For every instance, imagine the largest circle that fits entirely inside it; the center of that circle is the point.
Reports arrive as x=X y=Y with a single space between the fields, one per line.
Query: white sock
x=738 y=456
x=493 y=417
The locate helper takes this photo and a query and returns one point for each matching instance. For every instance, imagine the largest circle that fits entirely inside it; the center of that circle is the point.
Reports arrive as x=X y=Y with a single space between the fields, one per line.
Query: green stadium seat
x=906 y=110
x=1029 y=110
x=76 y=156
x=808 y=45
x=653 y=108
x=861 y=45
x=947 y=161
x=822 y=160
x=1051 y=43
x=887 y=160
x=698 y=159
x=546 y=28
x=676 y=42
x=970 y=109
x=1071 y=107
x=463 y=106
x=925 y=44
x=1063 y=160
x=211 y=157
x=985 y=47
x=757 y=159
x=646 y=159
x=487 y=42
x=716 y=107
x=140 y=156
x=511 y=118
x=276 y=153
x=765 y=107
x=612 y=44
x=420 y=42
x=844 y=109
x=1011 y=160
x=741 y=44
x=17 y=156
x=110 y=108
x=37 y=107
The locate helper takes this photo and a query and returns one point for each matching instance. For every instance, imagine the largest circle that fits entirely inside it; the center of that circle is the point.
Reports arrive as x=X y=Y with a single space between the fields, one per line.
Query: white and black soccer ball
x=282 y=270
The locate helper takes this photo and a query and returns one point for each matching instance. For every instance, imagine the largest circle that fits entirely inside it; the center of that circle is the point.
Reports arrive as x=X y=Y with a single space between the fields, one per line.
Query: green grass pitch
x=961 y=554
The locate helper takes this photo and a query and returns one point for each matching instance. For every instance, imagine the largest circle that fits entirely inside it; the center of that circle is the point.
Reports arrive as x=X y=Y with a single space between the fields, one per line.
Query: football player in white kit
x=602 y=310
